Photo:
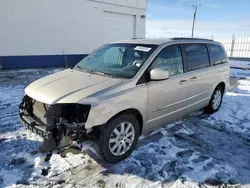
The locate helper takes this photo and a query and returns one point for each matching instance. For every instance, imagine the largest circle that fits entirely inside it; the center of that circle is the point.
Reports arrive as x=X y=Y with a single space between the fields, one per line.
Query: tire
x=216 y=100
x=115 y=146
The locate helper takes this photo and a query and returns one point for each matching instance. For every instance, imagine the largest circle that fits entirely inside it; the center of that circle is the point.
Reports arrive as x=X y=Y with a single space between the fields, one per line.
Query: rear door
x=219 y=61
x=200 y=75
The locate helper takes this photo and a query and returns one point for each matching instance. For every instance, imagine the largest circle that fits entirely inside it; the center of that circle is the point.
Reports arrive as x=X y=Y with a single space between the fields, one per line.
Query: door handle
x=193 y=78
x=182 y=82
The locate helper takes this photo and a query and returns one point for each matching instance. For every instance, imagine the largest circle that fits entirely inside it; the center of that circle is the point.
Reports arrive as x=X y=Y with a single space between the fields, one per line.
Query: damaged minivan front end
x=58 y=124
x=53 y=106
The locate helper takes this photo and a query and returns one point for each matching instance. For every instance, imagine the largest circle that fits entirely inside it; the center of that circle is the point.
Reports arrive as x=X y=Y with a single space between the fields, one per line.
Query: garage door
x=118 y=26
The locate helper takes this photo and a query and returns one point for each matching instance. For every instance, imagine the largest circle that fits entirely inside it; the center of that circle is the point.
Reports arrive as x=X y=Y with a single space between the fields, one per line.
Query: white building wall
x=45 y=27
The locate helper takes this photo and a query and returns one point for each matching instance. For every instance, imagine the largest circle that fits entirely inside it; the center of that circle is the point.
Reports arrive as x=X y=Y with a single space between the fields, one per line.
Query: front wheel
x=216 y=100
x=119 y=137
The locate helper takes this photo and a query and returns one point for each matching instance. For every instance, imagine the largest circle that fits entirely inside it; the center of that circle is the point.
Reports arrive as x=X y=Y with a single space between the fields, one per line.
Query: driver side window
x=170 y=59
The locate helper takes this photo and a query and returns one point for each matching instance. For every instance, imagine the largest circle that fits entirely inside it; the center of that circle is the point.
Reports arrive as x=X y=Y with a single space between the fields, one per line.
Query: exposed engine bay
x=58 y=124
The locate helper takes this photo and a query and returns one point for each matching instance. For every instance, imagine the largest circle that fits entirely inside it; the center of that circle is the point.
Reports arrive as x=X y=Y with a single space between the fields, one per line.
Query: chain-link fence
x=238 y=47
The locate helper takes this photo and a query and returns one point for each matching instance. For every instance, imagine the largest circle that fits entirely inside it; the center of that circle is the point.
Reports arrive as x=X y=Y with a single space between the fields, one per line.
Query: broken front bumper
x=32 y=125
x=58 y=125
x=50 y=143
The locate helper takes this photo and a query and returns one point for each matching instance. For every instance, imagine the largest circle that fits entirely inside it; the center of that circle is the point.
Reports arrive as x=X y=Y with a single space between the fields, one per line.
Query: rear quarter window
x=217 y=54
x=196 y=56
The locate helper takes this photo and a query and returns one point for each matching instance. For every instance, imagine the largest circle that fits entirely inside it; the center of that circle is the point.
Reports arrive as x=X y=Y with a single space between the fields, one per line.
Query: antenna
x=65 y=59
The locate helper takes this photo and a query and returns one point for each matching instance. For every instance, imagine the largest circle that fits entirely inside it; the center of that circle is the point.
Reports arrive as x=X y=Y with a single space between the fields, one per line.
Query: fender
x=104 y=108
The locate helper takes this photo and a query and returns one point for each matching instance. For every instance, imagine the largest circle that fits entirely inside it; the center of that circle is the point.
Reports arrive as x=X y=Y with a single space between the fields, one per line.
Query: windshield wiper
x=101 y=73
x=85 y=70
x=96 y=72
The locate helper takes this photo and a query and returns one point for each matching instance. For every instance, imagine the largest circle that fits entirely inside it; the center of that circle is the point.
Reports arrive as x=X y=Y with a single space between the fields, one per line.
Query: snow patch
x=234 y=110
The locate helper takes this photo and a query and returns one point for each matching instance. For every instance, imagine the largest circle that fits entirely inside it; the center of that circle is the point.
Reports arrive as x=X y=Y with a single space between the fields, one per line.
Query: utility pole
x=195 y=12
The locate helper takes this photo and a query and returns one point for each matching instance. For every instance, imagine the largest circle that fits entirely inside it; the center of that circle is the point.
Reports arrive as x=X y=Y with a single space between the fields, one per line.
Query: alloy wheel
x=217 y=99
x=122 y=138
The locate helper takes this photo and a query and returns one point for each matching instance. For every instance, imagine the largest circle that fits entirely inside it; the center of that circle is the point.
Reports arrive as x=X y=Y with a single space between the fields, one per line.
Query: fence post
x=232 y=46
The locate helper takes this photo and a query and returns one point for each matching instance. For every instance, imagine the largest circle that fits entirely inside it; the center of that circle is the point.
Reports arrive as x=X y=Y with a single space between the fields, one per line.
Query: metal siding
x=118 y=26
x=35 y=33
x=142 y=4
x=109 y=1
x=132 y=3
x=121 y=2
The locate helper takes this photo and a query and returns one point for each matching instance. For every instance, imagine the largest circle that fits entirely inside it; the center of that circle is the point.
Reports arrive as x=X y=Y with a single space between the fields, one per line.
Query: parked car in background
x=124 y=89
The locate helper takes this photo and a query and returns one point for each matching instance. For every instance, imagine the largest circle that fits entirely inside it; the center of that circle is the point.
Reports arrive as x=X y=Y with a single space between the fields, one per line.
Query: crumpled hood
x=68 y=86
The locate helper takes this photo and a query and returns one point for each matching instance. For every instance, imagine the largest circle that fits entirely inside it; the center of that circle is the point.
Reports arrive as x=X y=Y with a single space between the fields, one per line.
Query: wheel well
x=134 y=112
x=223 y=85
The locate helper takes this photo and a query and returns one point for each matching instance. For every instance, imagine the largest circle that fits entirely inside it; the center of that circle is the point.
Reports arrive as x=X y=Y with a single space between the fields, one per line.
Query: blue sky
x=220 y=18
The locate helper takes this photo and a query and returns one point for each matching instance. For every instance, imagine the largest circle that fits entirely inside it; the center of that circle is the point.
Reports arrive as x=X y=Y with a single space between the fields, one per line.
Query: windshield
x=117 y=60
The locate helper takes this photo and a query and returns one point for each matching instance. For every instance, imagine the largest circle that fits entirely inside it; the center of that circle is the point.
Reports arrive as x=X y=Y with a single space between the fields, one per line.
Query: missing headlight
x=77 y=113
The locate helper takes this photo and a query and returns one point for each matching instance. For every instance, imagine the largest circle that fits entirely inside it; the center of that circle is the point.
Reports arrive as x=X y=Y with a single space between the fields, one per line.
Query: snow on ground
x=241 y=73
x=197 y=151
x=240 y=69
x=235 y=113
x=240 y=64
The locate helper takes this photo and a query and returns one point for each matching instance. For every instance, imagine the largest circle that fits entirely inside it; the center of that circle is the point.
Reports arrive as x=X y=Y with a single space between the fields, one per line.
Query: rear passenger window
x=170 y=59
x=217 y=54
x=196 y=56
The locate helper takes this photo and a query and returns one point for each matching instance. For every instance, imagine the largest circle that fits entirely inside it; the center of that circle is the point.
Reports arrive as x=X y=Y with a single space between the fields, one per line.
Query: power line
x=195 y=13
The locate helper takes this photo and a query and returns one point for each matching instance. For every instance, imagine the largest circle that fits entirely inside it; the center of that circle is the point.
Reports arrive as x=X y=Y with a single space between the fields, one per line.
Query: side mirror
x=159 y=74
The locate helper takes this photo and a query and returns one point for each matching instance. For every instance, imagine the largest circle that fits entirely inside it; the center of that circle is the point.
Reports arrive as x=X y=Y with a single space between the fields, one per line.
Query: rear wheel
x=216 y=100
x=119 y=137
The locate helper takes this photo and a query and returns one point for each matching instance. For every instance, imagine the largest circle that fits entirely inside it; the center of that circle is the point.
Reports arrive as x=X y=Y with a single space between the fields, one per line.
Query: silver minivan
x=124 y=89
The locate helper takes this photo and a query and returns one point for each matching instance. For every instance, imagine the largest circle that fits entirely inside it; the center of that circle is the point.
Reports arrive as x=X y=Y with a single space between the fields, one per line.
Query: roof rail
x=186 y=38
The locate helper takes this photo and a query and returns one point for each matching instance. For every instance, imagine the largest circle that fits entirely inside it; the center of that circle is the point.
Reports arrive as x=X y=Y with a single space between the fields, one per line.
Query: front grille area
x=50 y=115
x=43 y=114
x=39 y=111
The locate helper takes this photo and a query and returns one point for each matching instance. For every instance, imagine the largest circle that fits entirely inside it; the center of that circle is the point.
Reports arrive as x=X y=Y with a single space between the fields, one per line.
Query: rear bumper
x=234 y=82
